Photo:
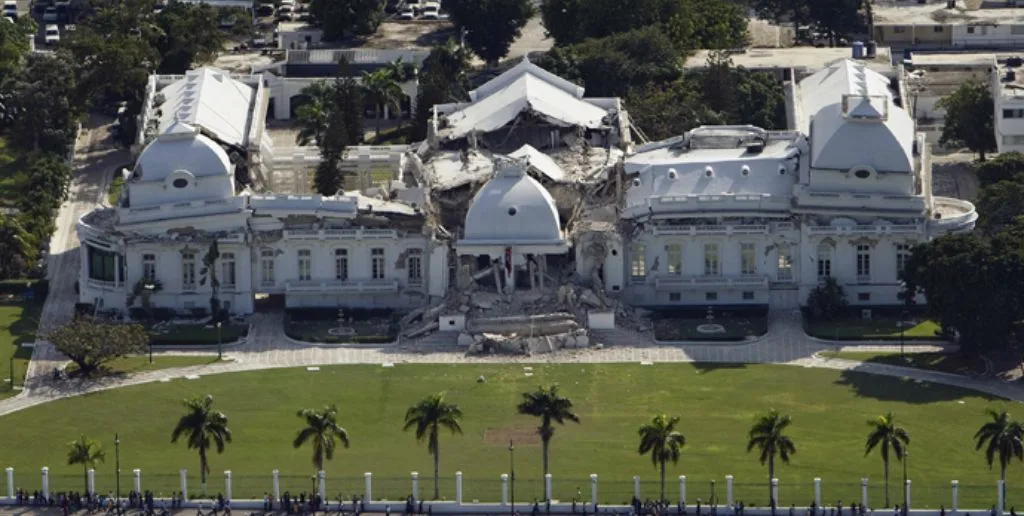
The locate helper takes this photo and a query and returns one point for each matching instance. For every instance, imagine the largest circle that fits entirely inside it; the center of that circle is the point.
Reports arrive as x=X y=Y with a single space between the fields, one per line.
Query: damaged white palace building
x=527 y=187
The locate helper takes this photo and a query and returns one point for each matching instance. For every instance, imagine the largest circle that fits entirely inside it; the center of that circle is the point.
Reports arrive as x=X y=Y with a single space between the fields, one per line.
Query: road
x=96 y=156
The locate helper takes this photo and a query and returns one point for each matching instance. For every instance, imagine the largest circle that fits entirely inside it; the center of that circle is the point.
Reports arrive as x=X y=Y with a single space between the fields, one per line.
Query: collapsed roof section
x=524 y=89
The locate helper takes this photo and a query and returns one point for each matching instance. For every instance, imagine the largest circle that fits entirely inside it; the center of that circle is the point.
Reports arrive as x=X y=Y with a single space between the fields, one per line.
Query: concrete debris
x=514 y=344
x=423 y=330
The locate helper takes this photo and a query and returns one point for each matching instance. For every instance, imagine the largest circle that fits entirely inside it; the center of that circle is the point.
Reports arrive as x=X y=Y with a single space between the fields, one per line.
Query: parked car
x=52 y=34
x=265 y=10
x=284 y=13
x=431 y=11
x=50 y=14
x=406 y=14
x=11 y=9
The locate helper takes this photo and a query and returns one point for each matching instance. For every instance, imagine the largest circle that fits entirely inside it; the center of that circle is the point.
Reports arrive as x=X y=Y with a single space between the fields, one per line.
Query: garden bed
x=171 y=334
x=361 y=326
x=726 y=325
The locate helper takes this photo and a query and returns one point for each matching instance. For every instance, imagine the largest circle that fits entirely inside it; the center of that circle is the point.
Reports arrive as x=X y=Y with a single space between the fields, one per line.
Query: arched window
x=824 y=261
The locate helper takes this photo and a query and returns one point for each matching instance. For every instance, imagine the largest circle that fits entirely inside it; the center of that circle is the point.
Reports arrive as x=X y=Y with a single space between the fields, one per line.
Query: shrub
x=828 y=300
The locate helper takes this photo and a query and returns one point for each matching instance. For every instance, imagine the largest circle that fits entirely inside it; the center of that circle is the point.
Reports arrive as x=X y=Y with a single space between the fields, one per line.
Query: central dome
x=512 y=208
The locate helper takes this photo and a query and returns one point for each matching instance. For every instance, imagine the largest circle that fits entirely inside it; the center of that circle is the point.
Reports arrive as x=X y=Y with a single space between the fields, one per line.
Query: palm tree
x=428 y=416
x=384 y=90
x=202 y=426
x=322 y=428
x=312 y=116
x=767 y=436
x=209 y=272
x=86 y=452
x=549 y=407
x=1002 y=435
x=886 y=435
x=663 y=442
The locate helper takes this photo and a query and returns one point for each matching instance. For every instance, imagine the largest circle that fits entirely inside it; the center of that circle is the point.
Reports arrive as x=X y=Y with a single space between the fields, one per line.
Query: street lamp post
x=512 y=474
x=117 y=472
x=220 y=353
x=713 y=501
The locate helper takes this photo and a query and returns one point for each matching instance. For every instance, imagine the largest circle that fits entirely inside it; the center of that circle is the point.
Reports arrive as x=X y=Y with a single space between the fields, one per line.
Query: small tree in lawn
x=202 y=427
x=90 y=344
x=828 y=300
x=86 y=452
x=767 y=435
x=660 y=439
x=887 y=437
x=209 y=273
x=428 y=417
x=550 y=407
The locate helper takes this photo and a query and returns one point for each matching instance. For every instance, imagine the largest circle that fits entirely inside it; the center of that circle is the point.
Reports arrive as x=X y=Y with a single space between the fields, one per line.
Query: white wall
x=987 y=35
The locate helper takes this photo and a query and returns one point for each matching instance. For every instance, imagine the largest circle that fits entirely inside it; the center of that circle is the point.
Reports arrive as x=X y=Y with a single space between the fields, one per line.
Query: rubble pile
x=515 y=344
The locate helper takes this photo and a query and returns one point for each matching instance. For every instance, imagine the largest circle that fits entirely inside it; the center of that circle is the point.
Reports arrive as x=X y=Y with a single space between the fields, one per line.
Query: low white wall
x=454 y=323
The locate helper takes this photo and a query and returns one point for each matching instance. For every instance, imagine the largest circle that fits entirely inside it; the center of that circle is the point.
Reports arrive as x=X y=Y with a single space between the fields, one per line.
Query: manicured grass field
x=716 y=402
x=140 y=363
x=876 y=328
x=18 y=323
x=945 y=362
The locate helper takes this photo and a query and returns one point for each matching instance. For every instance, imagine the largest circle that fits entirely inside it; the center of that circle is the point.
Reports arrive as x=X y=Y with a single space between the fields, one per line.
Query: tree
x=340 y=17
x=886 y=435
x=562 y=19
x=90 y=344
x=1007 y=166
x=999 y=205
x=202 y=427
x=188 y=34
x=46 y=181
x=14 y=46
x=1001 y=436
x=323 y=431
x=86 y=452
x=969 y=118
x=768 y=436
x=327 y=179
x=549 y=406
x=428 y=416
x=837 y=18
x=491 y=25
x=442 y=79
x=312 y=116
x=827 y=300
x=796 y=11
x=383 y=89
x=209 y=273
x=43 y=120
x=960 y=275
x=143 y=291
x=714 y=24
x=664 y=111
x=16 y=249
x=660 y=439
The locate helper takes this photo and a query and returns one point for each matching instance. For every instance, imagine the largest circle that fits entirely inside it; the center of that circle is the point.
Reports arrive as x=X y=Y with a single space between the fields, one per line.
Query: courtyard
x=717 y=403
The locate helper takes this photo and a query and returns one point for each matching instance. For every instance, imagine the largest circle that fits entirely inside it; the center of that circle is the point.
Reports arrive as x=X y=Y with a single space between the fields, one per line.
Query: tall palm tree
x=384 y=90
x=886 y=435
x=322 y=428
x=202 y=426
x=86 y=452
x=549 y=407
x=767 y=436
x=663 y=442
x=1001 y=435
x=428 y=416
x=312 y=117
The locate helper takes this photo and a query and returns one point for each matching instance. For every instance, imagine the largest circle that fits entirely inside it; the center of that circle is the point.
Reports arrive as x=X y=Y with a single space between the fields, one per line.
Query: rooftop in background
x=938 y=75
x=210 y=99
x=910 y=12
x=324 y=62
x=952 y=59
x=809 y=59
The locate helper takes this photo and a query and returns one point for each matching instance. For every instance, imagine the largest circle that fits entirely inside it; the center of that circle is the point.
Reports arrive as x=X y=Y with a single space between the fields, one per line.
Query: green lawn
x=140 y=363
x=945 y=362
x=876 y=328
x=716 y=402
x=197 y=334
x=18 y=323
x=736 y=328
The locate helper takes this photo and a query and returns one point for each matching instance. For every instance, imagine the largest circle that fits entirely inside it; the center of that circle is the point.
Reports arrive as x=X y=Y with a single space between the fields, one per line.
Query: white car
x=431 y=11
x=52 y=34
x=11 y=8
x=406 y=14
x=50 y=14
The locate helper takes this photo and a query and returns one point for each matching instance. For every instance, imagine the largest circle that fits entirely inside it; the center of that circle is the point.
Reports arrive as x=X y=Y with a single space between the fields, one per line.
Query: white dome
x=181 y=149
x=513 y=208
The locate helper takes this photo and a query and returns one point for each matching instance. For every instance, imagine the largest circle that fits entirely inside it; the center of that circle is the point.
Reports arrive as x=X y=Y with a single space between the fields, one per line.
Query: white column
x=368 y=486
x=504 y=489
x=817 y=491
x=682 y=489
x=227 y=485
x=137 y=480
x=322 y=478
x=90 y=481
x=999 y=486
x=415 y=485
x=728 y=490
x=955 y=486
x=864 y=492
x=906 y=493
x=277 y=484
x=10 y=482
x=593 y=489
x=46 y=482
x=775 y=491
x=636 y=486
x=458 y=488
x=547 y=486
x=183 y=480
